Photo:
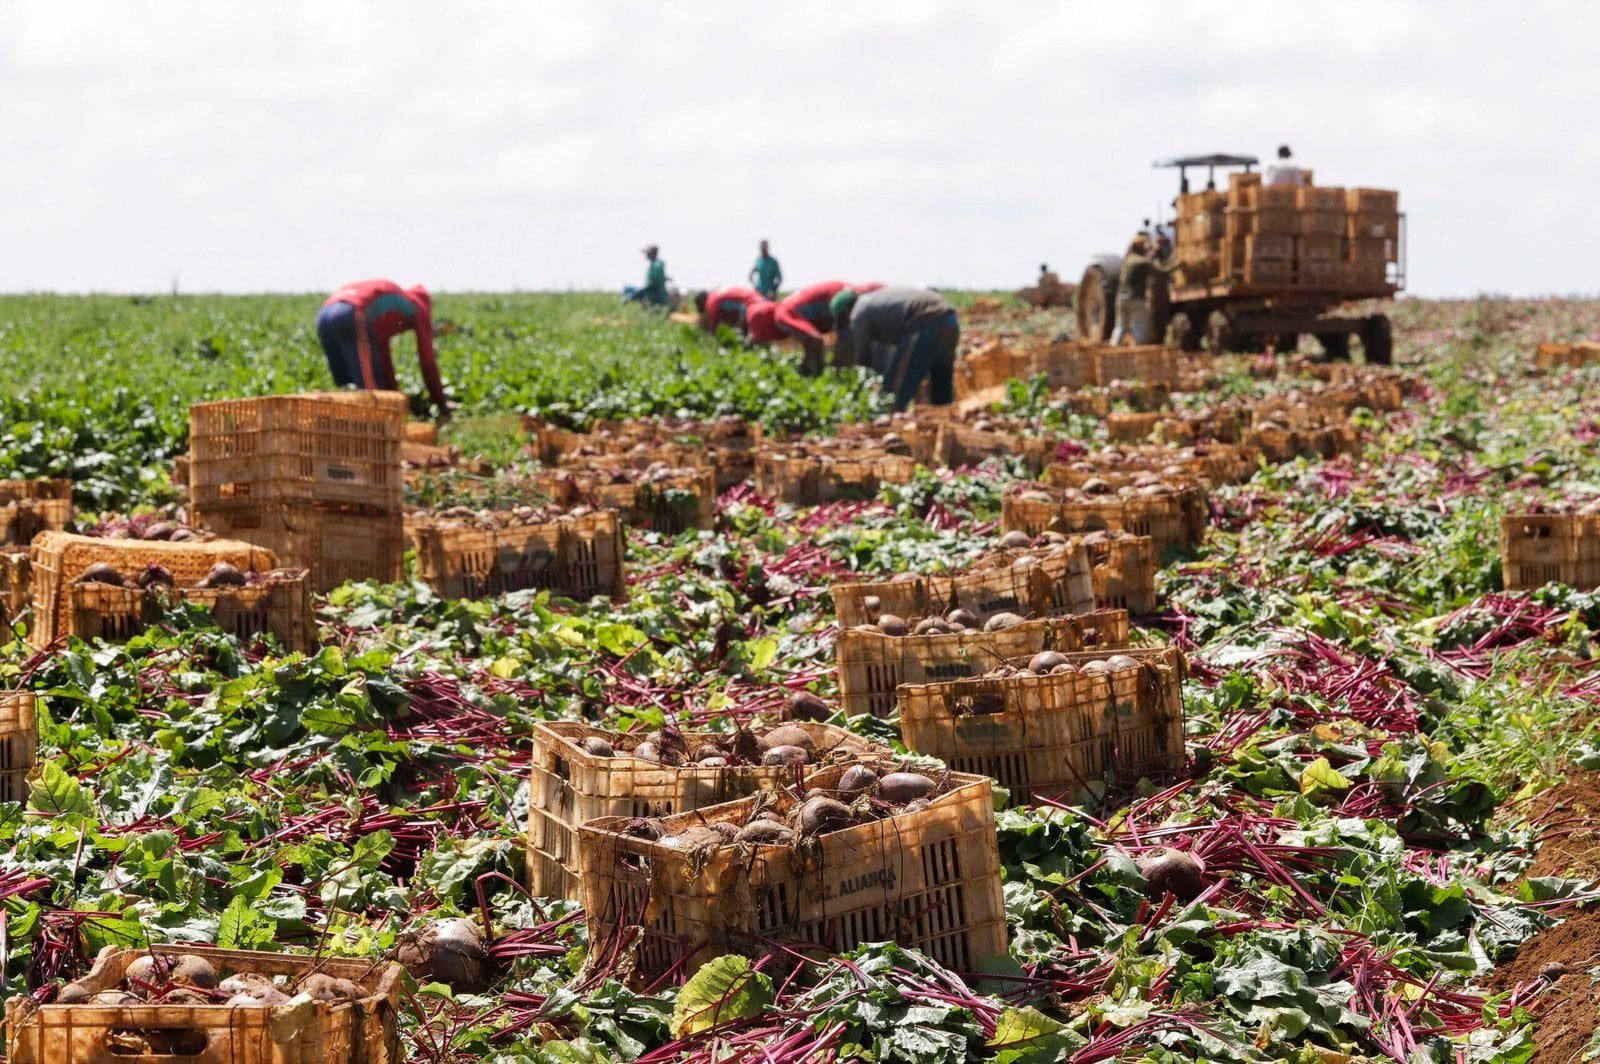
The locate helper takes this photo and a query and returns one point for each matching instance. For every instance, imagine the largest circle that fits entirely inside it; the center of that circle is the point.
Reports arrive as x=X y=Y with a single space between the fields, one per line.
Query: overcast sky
x=292 y=146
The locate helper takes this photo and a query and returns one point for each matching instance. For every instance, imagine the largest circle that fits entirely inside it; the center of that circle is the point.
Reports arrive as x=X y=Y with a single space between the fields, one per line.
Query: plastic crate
x=1285 y=445
x=15 y=586
x=1566 y=356
x=23 y=519
x=1131 y=428
x=279 y=606
x=19 y=744
x=569 y=787
x=1150 y=364
x=812 y=480
x=1540 y=549
x=345 y=1032
x=679 y=501
x=35 y=490
x=579 y=557
x=872 y=665
x=1059 y=583
x=929 y=880
x=1371 y=200
x=420 y=432
x=310 y=448
x=57 y=558
x=1051 y=736
x=336 y=546
x=1175 y=521
x=958 y=445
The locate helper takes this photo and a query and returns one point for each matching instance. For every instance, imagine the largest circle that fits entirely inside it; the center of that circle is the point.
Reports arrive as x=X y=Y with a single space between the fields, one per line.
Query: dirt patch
x=1557 y=962
x=1553 y=966
x=1568 y=816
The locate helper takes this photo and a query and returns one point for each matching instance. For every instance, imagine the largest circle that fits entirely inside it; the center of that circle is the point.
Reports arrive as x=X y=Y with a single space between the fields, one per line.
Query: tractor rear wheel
x=1377 y=340
x=1097 y=316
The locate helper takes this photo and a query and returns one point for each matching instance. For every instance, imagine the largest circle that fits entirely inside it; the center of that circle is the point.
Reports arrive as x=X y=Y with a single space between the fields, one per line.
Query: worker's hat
x=420 y=294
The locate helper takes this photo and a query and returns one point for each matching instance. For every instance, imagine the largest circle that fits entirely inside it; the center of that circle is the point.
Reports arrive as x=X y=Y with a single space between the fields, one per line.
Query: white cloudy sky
x=294 y=145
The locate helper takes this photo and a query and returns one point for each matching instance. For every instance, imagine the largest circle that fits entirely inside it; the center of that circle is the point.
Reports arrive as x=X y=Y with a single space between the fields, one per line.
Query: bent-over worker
x=907 y=334
x=804 y=316
x=766 y=274
x=356 y=324
x=1134 y=321
x=725 y=306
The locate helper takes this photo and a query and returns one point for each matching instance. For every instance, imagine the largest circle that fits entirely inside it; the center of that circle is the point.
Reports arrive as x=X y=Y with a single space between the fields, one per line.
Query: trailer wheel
x=1335 y=346
x=1183 y=332
x=1219 y=333
x=1097 y=315
x=1377 y=340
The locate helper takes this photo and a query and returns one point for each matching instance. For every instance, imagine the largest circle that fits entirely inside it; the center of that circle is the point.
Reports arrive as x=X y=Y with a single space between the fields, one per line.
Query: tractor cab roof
x=1218 y=159
x=1210 y=162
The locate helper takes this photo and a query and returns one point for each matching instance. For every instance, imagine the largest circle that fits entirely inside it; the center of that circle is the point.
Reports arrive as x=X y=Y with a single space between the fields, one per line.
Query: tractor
x=1261 y=265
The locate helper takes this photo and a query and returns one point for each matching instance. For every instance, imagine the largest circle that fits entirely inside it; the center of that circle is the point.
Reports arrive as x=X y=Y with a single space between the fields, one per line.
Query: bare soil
x=1555 y=963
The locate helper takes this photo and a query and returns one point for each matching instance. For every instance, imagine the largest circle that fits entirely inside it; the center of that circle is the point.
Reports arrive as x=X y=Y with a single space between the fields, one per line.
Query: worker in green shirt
x=654 y=293
x=766 y=275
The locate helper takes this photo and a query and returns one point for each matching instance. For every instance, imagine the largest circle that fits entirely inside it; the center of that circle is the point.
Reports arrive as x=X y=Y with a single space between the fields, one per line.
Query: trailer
x=1261 y=265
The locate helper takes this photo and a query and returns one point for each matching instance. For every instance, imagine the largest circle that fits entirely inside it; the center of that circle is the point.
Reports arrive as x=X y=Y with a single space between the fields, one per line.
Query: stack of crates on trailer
x=1372 y=232
x=28 y=507
x=927 y=878
x=1319 y=248
x=315 y=478
x=1201 y=228
x=1577 y=355
x=569 y=785
x=579 y=556
x=1263 y=223
x=19 y=744
x=1550 y=548
x=363 y=1031
x=1113 y=717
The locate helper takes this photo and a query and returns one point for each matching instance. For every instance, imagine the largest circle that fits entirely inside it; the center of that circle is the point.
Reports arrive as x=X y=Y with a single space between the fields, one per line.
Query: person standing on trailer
x=766 y=274
x=1286 y=171
x=909 y=335
x=357 y=323
x=725 y=306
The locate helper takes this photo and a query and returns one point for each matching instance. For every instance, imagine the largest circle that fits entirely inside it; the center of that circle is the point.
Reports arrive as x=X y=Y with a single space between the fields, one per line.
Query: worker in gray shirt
x=907 y=334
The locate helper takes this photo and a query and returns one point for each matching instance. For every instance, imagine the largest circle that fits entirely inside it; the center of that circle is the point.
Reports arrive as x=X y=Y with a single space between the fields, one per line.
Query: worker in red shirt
x=725 y=306
x=356 y=324
x=804 y=317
